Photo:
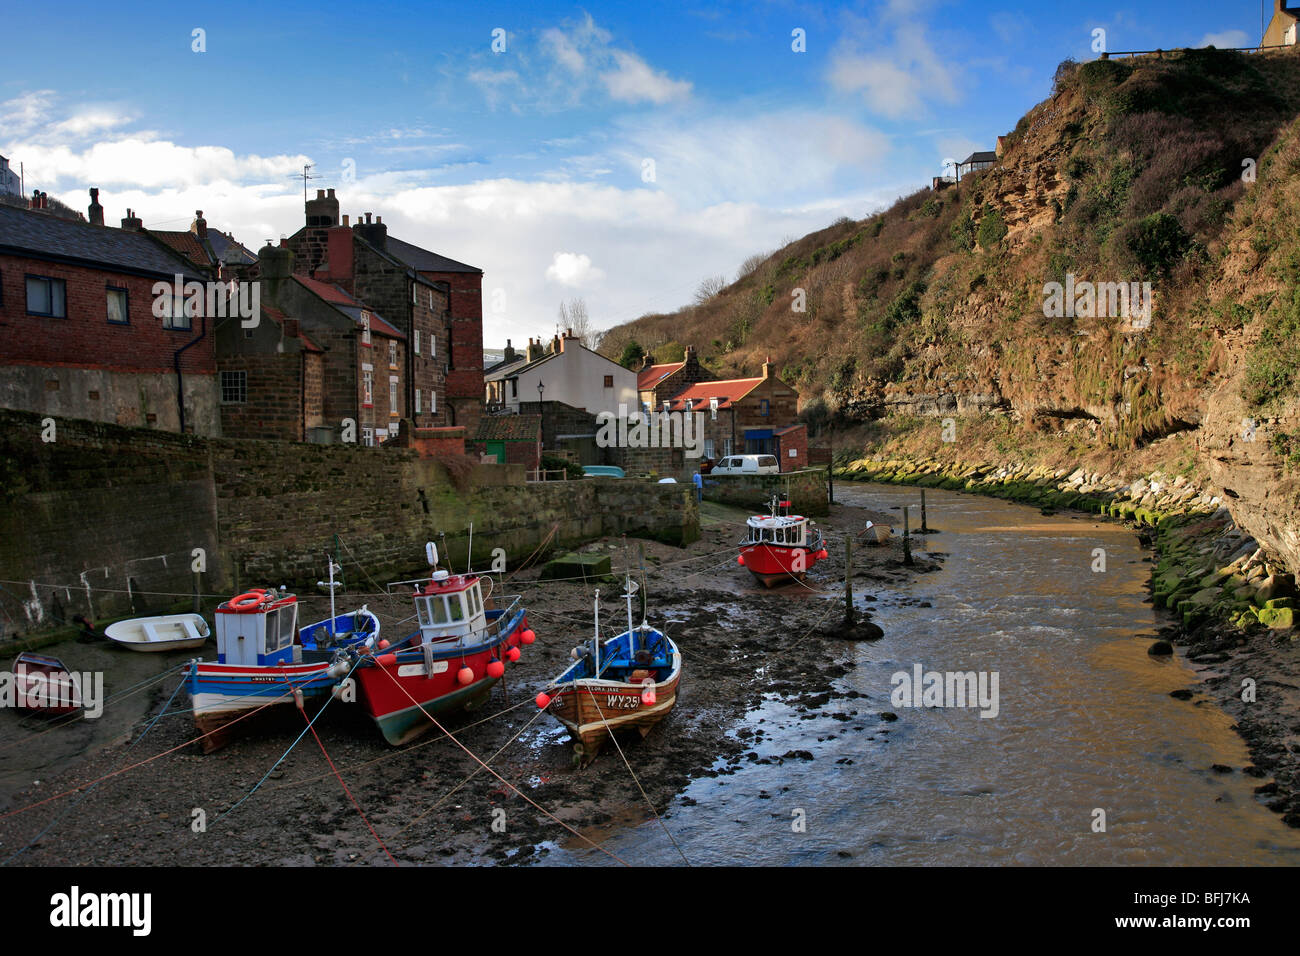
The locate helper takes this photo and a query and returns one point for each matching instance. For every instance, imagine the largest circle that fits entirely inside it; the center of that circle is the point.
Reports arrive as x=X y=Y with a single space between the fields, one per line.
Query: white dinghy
x=168 y=632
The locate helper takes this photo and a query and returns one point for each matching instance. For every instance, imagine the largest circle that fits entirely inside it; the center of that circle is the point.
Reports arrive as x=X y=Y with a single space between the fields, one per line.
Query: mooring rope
x=475 y=757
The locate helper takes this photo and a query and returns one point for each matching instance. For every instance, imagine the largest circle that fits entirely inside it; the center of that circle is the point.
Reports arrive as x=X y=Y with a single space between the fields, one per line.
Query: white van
x=747 y=465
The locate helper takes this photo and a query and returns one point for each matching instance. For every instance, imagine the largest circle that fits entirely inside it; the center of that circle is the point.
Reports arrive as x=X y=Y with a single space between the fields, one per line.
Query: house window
x=726 y=447
x=117 y=306
x=234 y=388
x=392 y=396
x=433 y=346
x=47 y=296
x=609 y=381
x=430 y=298
x=365 y=328
x=417 y=341
x=174 y=314
x=433 y=402
x=763 y=408
x=368 y=389
x=368 y=437
x=713 y=409
x=708 y=448
x=392 y=353
x=415 y=295
x=417 y=401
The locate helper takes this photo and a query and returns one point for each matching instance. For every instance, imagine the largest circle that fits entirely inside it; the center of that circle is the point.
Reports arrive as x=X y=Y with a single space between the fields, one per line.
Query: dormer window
x=713 y=409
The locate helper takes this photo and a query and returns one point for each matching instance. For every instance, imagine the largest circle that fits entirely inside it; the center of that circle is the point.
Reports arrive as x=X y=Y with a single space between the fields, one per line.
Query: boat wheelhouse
x=263 y=658
x=458 y=653
x=780 y=547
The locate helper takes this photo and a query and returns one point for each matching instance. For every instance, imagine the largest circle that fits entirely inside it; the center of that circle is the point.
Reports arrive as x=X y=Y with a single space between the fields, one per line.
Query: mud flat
x=432 y=802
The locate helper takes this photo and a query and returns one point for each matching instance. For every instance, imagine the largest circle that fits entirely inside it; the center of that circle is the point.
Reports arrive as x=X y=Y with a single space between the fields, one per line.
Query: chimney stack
x=96 y=210
x=200 y=225
x=375 y=233
x=323 y=211
x=509 y=355
x=132 y=222
x=534 y=351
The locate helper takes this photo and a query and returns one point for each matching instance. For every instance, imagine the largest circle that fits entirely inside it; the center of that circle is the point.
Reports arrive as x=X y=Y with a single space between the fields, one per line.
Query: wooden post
x=830 y=469
x=198 y=589
x=907 y=539
x=924 y=528
x=848 y=580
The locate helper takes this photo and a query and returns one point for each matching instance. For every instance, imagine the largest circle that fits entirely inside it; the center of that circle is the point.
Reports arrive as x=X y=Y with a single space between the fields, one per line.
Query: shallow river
x=1084 y=724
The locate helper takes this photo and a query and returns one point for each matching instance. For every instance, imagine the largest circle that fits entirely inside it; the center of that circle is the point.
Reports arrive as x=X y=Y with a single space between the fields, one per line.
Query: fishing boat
x=451 y=662
x=264 y=658
x=628 y=682
x=168 y=632
x=44 y=685
x=780 y=547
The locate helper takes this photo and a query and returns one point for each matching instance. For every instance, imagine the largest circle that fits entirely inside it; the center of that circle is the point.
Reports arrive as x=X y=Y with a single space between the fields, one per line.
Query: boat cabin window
x=288 y=620
x=433 y=610
x=456 y=608
x=472 y=596
x=272 y=631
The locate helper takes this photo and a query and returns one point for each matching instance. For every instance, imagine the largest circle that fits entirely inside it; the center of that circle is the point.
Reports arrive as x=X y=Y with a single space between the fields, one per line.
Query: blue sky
x=535 y=163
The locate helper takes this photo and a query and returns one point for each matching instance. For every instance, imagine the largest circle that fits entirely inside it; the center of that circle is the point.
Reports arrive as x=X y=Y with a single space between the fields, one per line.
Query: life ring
x=248 y=599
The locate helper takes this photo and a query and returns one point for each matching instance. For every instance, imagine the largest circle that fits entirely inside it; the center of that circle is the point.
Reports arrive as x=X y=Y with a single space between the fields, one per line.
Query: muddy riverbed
x=785 y=746
x=741 y=644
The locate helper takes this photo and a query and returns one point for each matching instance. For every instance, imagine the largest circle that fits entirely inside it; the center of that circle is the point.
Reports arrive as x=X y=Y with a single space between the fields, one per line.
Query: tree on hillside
x=632 y=355
x=709 y=288
x=573 y=316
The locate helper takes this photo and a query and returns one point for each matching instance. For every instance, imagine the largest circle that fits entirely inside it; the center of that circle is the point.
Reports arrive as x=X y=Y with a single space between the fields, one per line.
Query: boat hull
x=151 y=635
x=774 y=565
x=42 y=685
x=592 y=710
x=223 y=692
x=402 y=690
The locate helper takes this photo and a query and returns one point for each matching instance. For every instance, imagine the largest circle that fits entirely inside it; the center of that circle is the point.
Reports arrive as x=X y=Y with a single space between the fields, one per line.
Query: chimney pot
x=345 y=219
x=367 y=219
x=378 y=220
x=320 y=194
x=330 y=193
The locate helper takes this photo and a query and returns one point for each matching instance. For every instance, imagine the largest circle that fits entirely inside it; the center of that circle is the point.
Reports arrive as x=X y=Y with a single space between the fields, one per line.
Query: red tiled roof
x=383 y=328
x=788 y=429
x=328 y=291
x=186 y=243
x=727 y=393
x=308 y=344
x=652 y=376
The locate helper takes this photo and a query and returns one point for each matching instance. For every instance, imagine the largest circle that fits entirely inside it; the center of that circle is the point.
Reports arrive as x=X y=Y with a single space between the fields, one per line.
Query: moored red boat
x=44 y=685
x=780 y=547
x=459 y=652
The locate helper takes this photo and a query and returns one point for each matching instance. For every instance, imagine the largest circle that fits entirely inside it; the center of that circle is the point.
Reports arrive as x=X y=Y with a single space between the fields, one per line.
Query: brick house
x=655 y=383
x=210 y=249
x=363 y=260
x=743 y=416
x=324 y=359
x=79 y=330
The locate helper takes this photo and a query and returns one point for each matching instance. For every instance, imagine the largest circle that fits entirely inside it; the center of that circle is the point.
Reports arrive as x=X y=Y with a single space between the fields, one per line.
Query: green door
x=498 y=449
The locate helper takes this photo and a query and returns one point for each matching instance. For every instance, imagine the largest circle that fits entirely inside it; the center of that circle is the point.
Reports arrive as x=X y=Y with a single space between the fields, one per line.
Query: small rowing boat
x=44 y=685
x=628 y=682
x=168 y=632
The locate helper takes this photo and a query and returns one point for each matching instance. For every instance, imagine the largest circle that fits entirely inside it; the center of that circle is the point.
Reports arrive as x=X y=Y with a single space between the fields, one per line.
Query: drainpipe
x=176 y=362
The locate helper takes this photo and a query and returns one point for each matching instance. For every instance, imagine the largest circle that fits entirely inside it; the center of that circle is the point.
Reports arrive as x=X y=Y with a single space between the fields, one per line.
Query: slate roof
x=653 y=375
x=985 y=156
x=425 y=261
x=508 y=428
x=42 y=236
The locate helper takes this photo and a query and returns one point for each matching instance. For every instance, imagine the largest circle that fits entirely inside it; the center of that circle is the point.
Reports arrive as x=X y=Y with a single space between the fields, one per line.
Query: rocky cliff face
x=1160 y=194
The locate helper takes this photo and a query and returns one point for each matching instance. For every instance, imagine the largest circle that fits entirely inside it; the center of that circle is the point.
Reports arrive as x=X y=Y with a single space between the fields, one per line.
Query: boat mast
x=631 y=636
x=597 y=611
x=333 y=625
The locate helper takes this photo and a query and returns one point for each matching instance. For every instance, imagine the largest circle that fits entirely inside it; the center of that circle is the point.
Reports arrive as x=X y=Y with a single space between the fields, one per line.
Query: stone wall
x=104 y=509
x=806 y=490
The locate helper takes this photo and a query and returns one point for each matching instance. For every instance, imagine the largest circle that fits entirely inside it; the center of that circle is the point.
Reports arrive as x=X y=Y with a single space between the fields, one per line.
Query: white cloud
x=897 y=80
x=572 y=269
x=1226 y=40
x=633 y=82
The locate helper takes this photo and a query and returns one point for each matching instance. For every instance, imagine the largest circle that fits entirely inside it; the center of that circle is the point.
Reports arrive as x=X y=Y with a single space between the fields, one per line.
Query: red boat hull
x=774 y=564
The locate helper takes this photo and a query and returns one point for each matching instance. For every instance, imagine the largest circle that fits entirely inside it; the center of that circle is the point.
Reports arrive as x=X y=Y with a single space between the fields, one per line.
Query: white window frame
x=365 y=328
x=433 y=346
x=417 y=341
x=417 y=402
x=433 y=402
x=392 y=353
x=393 y=410
x=367 y=388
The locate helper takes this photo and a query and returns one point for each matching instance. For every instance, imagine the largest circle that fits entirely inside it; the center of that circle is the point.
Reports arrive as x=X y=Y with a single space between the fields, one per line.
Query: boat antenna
x=469 y=558
x=333 y=625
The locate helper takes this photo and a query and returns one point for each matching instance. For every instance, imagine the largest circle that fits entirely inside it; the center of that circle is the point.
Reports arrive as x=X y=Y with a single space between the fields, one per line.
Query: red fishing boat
x=451 y=662
x=780 y=547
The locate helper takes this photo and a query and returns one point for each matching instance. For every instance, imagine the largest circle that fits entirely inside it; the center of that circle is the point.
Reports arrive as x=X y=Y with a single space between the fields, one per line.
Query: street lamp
x=541 y=410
